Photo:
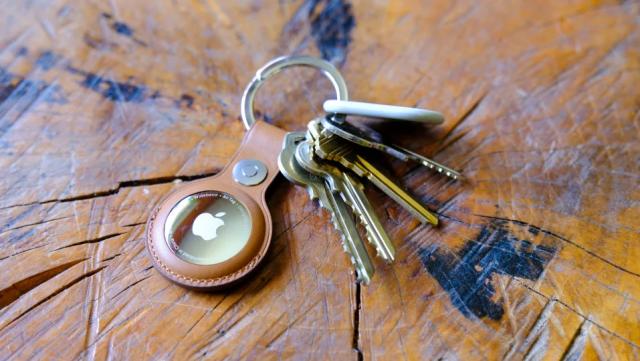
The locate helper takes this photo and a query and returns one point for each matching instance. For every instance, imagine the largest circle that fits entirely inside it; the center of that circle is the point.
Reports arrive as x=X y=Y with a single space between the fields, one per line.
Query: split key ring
x=277 y=65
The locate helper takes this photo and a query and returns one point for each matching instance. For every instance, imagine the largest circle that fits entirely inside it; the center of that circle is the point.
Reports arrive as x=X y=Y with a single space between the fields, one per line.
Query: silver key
x=369 y=138
x=351 y=190
x=340 y=215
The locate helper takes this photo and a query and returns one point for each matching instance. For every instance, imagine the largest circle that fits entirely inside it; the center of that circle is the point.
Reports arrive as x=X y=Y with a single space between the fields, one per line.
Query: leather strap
x=263 y=142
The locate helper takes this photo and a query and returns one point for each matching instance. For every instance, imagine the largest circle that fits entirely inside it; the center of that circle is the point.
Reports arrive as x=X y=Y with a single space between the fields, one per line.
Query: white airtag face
x=207 y=228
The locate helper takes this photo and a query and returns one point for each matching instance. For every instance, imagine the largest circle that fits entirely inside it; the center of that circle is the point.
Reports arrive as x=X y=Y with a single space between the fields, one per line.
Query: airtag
x=207 y=228
x=212 y=232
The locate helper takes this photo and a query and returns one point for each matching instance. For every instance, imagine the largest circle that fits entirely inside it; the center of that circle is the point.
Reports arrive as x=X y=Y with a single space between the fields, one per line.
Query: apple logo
x=206 y=225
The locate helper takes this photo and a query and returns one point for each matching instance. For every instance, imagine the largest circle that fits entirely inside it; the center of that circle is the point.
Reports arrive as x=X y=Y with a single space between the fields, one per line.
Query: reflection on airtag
x=207 y=228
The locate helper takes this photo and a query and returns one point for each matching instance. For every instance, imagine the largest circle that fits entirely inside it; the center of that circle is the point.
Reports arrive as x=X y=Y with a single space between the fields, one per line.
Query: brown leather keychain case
x=210 y=233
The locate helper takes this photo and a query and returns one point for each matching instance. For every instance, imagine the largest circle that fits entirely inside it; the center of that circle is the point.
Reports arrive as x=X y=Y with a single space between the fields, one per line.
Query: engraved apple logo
x=206 y=225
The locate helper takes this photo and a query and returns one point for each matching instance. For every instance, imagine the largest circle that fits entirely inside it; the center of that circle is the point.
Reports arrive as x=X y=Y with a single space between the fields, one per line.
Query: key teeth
x=336 y=226
x=343 y=239
x=312 y=193
x=328 y=209
x=379 y=251
x=363 y=221
x=359 y=276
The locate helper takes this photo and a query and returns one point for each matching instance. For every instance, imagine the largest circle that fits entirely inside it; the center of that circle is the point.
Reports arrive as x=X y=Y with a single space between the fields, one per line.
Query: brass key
x=340 y=215
x=333 y=148
x=344 y=183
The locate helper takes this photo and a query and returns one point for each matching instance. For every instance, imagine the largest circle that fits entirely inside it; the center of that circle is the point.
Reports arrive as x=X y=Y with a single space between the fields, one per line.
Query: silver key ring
x=278 y=64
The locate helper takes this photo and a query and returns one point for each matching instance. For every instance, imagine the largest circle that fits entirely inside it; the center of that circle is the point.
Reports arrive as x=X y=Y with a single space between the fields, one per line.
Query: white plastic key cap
x=384 y=111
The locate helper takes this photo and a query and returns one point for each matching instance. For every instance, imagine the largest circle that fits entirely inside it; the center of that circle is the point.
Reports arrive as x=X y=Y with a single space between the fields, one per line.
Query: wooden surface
x=105 y=106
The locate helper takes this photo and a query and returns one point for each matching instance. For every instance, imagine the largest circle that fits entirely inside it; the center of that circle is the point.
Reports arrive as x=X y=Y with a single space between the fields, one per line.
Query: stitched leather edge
x=194 y=282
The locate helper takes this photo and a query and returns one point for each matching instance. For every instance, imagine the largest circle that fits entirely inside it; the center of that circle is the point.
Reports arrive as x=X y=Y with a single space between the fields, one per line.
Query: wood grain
x=106 y=106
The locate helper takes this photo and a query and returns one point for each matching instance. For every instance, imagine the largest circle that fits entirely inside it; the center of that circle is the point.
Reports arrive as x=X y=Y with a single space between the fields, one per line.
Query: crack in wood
x=578 y=313
x=135 y=224
x=467 y=115
x=536 y=340
x=136 y=183
x=304 y=218
x=130 y=285
x=34 y=224
x=10 y=294
x=550 y=298
x=539 y=347
x=538 y=328
x=112 y=257
x=22 y=251
x=116 y=190
x=578 y=343
x=356 y=321
x=204 y=314
x=290 y=324
x=453 y=141
x=224 y=329
x=88 y=241
x=53 y=294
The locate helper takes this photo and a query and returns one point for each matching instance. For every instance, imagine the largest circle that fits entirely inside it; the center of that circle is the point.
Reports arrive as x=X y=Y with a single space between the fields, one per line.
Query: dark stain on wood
x=119 y=27
x=122 y=28
x=22 y=51
x=114 y=90
x=467 y=274
x=14 y=86
x=98 y=43
x=331 y=28
x=111 y=89
x=47 y=60
x=185 y=99
x=124 y=91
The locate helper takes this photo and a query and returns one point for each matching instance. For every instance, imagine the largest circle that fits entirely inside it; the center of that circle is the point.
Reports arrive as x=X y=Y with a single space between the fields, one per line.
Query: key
x=314 y=130
x=369 y=138
x=340 y=215
x=318 y=135
x=291 y=170
x=346 y=107
x=336 y=149
x=351 y=191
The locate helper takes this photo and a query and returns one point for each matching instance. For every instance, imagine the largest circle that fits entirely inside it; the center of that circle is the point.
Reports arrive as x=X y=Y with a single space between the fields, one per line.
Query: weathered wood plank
x=104 y=106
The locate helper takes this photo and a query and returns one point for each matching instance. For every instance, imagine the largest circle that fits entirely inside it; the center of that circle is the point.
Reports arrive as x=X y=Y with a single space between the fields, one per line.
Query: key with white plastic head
x=369 y=138
x=348 y=107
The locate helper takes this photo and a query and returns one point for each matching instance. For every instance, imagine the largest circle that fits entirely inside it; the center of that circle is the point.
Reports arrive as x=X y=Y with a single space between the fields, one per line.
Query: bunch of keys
x=213 y=232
